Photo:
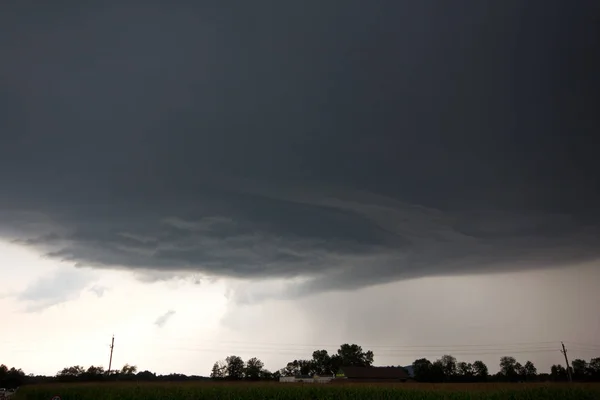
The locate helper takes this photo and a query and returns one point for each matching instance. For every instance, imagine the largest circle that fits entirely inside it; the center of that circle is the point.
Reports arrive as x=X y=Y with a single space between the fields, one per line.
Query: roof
x=375 y=373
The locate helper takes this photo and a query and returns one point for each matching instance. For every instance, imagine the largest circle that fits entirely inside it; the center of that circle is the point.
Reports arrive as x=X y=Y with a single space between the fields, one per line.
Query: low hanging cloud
x=59 y=287
x=340 y=156
x=347 y=245
x=163 y=319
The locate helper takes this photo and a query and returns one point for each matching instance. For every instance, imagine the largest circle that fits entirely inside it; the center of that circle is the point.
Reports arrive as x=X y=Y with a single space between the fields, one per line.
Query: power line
x=405 y=353
x=368 y=346
x=589 y=345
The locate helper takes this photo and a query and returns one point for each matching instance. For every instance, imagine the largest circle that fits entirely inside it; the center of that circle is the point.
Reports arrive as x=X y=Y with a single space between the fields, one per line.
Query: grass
x=286 y=391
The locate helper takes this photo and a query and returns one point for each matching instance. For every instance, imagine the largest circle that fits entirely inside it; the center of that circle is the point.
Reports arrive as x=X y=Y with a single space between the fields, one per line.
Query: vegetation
x=265 y=391
x=447 y=370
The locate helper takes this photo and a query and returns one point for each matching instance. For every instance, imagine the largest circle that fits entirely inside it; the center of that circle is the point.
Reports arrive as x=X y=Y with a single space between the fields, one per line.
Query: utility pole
x=112 y=346
x=564 y=351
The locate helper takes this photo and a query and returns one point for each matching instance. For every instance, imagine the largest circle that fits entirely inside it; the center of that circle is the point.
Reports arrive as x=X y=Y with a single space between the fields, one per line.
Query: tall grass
x=258 y=391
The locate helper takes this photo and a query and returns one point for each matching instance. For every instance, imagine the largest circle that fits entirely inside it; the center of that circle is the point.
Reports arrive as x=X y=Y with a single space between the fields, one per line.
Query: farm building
x=306 y=379
x=375 y=374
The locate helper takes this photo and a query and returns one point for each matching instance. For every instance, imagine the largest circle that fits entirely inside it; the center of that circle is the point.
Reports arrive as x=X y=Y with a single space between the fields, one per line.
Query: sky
x=272 y=178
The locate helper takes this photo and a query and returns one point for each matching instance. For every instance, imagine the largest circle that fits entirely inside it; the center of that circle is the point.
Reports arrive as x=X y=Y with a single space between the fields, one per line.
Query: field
x=267 y=391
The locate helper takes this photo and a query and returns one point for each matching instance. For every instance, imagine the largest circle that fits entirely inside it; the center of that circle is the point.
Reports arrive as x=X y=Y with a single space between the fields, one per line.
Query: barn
x=375 y=374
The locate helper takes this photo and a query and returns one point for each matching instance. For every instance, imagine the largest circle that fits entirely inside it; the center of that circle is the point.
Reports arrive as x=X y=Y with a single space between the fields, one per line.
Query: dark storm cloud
x=349 y=144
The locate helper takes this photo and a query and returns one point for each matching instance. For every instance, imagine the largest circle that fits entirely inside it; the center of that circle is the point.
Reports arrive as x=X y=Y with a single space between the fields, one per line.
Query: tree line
x=321 y=363
x=445 y=369
x=448 y=369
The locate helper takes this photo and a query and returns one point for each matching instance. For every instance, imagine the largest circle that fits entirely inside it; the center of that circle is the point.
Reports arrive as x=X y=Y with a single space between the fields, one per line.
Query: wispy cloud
x=98 y=290
x=61 y=286
x=162 y=320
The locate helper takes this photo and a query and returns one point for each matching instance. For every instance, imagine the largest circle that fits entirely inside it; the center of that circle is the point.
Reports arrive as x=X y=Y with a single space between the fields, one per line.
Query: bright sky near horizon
x=56 y=316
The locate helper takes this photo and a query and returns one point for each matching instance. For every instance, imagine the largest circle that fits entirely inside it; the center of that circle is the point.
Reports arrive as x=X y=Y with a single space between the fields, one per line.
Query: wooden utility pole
x=112 y=346
x=564 y=351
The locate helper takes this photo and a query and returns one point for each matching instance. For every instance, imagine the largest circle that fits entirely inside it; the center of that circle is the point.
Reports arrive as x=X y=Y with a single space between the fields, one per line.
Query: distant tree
x=353 y=355
x=219 y=370
x=94 y=373
x=306 y=367
x=266 y=374
x=322 y=363
x=11 y=378
x=146 y=376
x=464 y=370
x=426 y=371
x=422 y=370
x=558 y=373
x=508 y=367
x=336 y=363
x=276 y=375
x=437 y=371
x=580 y=368
x=69 y=374
x=299 y=367
x=529 y=371
x=519 y=371
x=480 y=370
x=235 y=367
x=254 y=367
x=128 y=370
x=291 y=369
x=448 y=365
x=594 y=368
x=3 y=375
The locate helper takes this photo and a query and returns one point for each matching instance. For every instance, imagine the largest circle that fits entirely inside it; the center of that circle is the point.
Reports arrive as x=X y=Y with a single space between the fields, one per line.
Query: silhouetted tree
x=322 y=364
x=298 y=367
x=235 y=367
x=353 y=355
x=422 y=370
x=558 y=373
x=529 y=371
x=146 y=376
x=254 y=368
x=128 y=369
x=70 y=374
x=465 y=371
x=266 y=374
x=11 y=378
x=519 y=371
x=594 y=368
x=580 y=369
x=448 y=365
x=508 y=368
x=437 y=371
x=219 y=370
x=480 y=370
x=94 y=373
x=290 y=369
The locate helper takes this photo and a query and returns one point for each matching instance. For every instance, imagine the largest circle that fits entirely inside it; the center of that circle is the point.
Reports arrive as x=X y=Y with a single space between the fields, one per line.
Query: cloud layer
x=340 y=146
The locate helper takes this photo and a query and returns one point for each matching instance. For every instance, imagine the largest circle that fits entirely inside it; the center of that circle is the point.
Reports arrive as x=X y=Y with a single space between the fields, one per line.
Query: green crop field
x=265 y=391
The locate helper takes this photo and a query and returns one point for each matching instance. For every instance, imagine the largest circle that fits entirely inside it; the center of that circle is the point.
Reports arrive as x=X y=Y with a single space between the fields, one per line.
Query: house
x=375 y=374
